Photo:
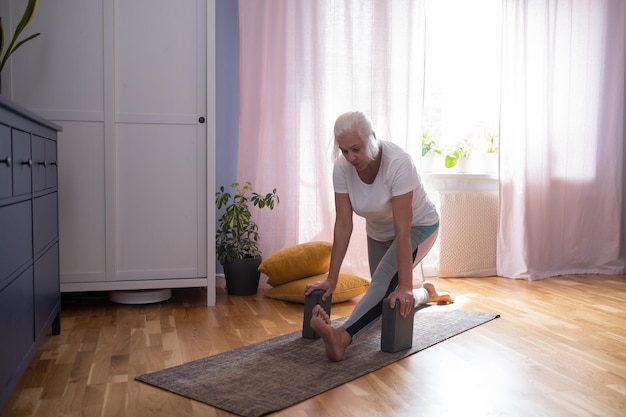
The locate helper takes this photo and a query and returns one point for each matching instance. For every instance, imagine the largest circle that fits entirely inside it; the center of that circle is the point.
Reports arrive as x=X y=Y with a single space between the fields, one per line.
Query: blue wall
x=227 y=95
x=226 y=90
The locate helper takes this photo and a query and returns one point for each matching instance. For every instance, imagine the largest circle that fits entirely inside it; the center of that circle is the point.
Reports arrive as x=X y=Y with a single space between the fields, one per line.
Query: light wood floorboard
x=559 y=349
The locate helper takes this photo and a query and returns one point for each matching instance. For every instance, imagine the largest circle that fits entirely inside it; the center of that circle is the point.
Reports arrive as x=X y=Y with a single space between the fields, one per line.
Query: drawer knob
x=44 y=163
x=29 y=163
x=6 y=161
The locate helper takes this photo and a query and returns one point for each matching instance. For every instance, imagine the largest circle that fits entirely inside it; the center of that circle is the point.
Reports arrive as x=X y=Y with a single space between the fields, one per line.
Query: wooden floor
x=559 y=349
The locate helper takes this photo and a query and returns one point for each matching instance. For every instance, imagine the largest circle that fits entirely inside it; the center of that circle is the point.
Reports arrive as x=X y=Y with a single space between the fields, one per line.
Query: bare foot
x=435 y=296
x=336 y=340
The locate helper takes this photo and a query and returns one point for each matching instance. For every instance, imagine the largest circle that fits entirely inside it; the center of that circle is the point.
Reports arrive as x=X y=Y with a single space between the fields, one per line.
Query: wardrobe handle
x=53 y=163
x=6 y=161
x=44 y=163
x=29 y=163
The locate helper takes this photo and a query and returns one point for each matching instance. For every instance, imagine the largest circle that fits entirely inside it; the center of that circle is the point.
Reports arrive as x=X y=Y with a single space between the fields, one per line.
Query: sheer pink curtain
x=302 y=64
x=562 y=138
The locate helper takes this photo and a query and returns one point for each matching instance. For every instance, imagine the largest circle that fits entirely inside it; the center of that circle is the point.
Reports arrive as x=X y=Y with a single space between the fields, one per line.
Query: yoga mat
x=277 y=373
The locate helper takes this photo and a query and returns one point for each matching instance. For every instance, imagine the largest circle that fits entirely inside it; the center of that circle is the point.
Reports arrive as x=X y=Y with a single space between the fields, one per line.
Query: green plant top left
x=31 y=6
x=237 y=236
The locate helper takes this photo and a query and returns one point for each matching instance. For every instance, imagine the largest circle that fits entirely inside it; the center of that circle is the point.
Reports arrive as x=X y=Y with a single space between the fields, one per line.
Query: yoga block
x=397 y=332
x=311 y=301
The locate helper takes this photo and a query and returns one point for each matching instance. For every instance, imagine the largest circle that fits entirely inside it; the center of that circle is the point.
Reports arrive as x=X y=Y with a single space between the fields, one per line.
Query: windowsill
x=459 y=176
x=444 y=181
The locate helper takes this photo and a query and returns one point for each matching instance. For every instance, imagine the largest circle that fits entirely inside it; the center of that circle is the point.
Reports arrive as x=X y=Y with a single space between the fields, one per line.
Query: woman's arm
x=341 y=238
x=402 y=207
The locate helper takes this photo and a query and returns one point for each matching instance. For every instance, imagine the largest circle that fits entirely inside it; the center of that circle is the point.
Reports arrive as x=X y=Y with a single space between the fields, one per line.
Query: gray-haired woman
x=376 y=180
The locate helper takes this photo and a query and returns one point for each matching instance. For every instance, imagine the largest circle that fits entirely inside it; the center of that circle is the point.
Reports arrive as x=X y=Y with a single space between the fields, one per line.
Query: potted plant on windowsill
x=237 y=237
x=491 y=162
x=457 y=156
x=430 y=150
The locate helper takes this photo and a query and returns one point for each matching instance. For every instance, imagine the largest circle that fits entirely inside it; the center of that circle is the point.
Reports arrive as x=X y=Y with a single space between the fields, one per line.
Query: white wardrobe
x=127 y=81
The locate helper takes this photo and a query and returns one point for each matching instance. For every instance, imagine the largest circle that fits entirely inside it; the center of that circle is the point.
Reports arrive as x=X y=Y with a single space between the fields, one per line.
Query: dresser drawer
x=39 y=163
x=15 y=238
x=16 y=326
x=45 y=223
x=44 y=155
x=51 y=163
x=22 y=162
x=46 y=288
x=6 y=175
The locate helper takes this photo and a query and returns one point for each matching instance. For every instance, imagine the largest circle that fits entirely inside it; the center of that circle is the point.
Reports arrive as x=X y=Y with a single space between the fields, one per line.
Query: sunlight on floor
x=460 y=300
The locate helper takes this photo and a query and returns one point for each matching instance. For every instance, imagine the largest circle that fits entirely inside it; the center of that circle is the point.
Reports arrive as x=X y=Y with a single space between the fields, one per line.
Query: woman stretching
x=376 y=180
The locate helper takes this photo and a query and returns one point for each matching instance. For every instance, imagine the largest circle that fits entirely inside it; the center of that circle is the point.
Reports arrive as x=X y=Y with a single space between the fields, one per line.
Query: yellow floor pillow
x=295 y=262
x=348 y=287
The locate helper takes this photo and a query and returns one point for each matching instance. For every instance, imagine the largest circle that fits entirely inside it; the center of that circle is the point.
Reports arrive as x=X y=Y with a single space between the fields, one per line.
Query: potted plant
x=31 y=6
x=459 y=153
x=491 y=160
x=492 y=146
x=237 y=237
x=430 y=149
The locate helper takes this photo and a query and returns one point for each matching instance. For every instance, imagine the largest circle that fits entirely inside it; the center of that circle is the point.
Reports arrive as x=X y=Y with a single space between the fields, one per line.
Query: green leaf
x=27 y=17
x=451 y=161
x=1 y=36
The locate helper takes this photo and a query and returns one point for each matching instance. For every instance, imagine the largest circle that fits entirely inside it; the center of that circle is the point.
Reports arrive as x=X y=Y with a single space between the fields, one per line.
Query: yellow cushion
x=348 y=286
x=295 y=262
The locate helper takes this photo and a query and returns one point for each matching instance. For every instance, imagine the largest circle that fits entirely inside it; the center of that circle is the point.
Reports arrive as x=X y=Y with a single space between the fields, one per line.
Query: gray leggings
x=384 y=269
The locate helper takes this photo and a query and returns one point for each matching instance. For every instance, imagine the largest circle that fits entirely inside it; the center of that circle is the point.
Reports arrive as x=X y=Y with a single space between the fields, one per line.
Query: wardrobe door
x=160 y=165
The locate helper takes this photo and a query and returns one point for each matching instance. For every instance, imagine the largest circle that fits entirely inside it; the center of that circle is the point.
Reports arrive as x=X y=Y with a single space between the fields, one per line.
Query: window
x=462 y=82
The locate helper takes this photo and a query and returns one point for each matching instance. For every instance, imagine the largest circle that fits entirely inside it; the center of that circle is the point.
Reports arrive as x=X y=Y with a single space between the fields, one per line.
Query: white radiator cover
x=467 y=233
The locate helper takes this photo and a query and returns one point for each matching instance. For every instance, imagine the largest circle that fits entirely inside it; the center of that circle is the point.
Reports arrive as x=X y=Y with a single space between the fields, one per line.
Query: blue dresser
x=30 y=302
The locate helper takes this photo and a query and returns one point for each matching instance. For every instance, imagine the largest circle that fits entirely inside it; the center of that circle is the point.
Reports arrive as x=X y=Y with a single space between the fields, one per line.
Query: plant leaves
x=27 y=17
x=238 y=234
x=450 y=161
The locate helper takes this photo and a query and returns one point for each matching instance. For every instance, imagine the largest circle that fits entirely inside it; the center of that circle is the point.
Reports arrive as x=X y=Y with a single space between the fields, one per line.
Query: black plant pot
x=242 y=276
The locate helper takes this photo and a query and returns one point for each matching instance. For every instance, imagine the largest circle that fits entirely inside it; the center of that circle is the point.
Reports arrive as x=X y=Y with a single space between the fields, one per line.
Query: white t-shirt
x=397 y=175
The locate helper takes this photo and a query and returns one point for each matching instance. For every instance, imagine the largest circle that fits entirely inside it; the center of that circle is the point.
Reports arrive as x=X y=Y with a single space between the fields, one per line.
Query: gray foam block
x=396 y=331
x=311 y=301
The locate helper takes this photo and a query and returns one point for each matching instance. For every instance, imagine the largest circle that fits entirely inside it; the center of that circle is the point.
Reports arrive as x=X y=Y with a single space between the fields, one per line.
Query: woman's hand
x=405 y=300
x=326 y=286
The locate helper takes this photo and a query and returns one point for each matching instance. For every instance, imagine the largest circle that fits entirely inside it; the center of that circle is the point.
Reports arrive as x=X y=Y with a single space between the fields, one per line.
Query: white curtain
x=562 y=138
x=561 y=130
x=302 y=64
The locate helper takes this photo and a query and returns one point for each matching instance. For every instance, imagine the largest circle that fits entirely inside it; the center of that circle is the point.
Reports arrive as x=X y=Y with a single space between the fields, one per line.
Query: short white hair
x=361 y=123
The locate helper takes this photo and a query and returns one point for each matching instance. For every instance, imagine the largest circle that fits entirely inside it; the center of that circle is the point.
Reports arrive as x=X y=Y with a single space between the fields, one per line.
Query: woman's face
x=353 y=149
